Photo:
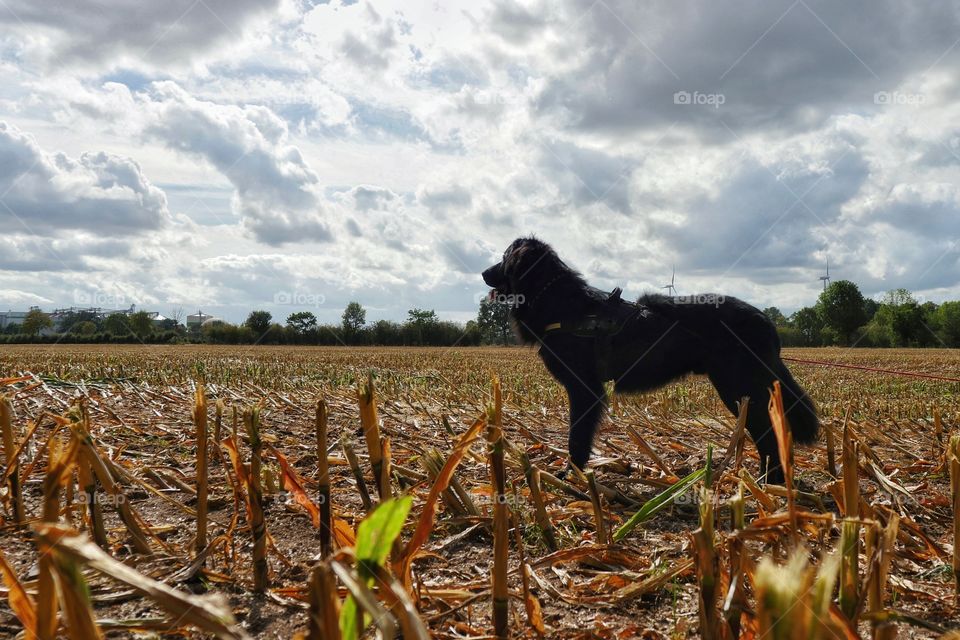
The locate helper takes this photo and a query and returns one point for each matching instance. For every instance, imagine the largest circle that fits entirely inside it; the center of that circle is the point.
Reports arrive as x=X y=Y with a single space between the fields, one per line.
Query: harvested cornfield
x=115 y=524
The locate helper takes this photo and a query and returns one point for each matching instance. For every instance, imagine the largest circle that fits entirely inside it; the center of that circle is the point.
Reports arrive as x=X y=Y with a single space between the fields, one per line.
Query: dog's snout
x=493 y=276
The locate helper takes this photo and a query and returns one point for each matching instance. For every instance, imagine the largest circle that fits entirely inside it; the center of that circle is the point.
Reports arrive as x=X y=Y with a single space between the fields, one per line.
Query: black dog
x=587 y=337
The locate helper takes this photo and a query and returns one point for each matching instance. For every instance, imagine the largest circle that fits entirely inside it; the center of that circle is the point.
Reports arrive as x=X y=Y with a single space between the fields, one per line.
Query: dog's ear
x=515 y=257
x=523 y=263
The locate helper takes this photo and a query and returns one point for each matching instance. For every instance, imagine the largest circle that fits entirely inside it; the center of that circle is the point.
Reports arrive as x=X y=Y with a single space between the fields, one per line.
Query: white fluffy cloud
x=50 y=193
x=277 y=193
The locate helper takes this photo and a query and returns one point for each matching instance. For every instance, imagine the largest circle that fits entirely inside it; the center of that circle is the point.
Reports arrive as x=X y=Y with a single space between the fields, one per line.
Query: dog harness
x=602 y=327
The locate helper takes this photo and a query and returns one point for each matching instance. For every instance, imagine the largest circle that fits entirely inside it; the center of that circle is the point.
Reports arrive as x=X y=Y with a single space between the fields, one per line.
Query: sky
x=230 y=155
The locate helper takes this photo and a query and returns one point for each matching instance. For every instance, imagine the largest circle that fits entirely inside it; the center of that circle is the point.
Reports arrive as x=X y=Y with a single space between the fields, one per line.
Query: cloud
x=589 y=176
x=17 y=299
x=374 y=50
x=277 y=194
x=778 y=65
x=445 y=199
x=52 y=193
x=155 y=33
x=372 y=197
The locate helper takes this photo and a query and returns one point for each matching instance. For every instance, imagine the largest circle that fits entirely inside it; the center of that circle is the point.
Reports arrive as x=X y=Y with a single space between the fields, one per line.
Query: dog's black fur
x=658 y=340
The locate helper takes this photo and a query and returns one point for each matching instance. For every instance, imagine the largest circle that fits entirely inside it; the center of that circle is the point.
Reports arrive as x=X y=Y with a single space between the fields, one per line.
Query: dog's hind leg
x=733 y=383
x=587 y=402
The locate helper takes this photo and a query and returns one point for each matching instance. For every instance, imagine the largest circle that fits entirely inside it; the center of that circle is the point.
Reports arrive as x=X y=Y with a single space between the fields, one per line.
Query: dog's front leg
x=587 y=401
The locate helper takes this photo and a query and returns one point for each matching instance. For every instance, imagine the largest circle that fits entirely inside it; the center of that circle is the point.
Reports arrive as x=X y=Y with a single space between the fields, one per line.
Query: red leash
x=890 y=371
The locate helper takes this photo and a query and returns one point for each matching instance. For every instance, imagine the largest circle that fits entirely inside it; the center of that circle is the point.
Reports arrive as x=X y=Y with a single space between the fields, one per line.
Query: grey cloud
x=29 y=253
x=367 y=197
x=465 y=256
x=514 y=23
x=589 y=176
x=778 y=65
x=152 y=32
x=372 y=50
x=445 y=199
x=755 y=222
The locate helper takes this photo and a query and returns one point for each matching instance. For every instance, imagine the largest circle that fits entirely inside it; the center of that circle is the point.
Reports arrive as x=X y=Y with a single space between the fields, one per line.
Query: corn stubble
x=84 y=474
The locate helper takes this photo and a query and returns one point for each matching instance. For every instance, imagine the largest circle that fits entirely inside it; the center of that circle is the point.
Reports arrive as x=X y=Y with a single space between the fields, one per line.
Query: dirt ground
x=139 y=400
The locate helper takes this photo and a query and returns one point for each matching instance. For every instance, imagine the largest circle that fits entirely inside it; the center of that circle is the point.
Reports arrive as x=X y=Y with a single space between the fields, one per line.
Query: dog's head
x=521 y=268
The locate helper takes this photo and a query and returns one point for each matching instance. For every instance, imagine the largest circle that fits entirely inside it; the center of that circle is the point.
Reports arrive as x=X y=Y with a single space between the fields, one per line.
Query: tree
x=116 y=324
x=902 y=321
x=71 y=318
x=422 y=316
x=841 y=307
x=259 y=322
x=141 y=324
x=948 y=321
x=35 y=321
x=354 y=317
x=493 y=322
x=84 y=328
x=421 y=321
x=302 y=321
x=906 y=317
x=169 y=324
x=809 y=325
x=775 y=316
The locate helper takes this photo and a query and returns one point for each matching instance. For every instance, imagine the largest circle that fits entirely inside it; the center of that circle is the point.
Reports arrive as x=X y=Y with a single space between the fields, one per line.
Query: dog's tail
x=800 y=410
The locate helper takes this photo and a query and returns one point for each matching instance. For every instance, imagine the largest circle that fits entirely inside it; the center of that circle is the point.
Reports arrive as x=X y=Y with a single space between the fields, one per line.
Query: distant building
x=60 y=316
x=12 y=317
x=196 y=320
x=157 y=318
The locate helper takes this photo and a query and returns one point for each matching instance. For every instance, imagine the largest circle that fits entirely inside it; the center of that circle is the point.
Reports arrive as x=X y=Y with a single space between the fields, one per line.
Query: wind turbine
x=826 y=278
x=673 y=289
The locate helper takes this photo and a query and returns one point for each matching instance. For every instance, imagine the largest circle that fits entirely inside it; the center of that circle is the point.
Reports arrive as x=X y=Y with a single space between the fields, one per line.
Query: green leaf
x=376 y=533
x=657 y=503
x=375 y=537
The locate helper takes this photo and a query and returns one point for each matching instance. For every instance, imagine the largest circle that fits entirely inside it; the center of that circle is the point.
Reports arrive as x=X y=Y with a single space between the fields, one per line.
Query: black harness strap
x=602 y=327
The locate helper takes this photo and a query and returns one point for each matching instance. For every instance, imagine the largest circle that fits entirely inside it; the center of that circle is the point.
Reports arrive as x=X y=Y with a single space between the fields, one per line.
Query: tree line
x=421 y=328
x=841 y=316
